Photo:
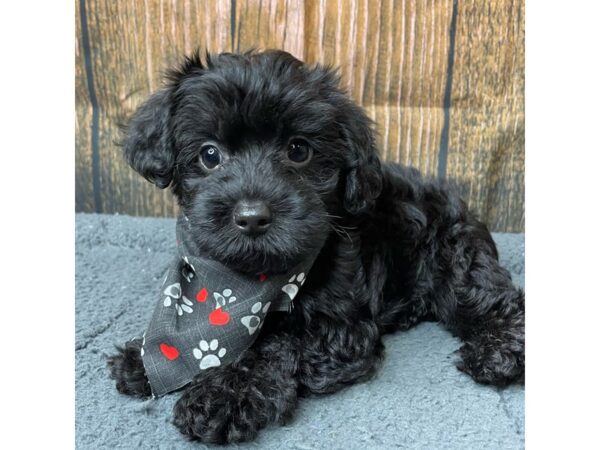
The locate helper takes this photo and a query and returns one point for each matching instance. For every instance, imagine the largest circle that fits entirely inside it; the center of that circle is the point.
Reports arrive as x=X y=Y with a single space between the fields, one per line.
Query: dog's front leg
x=335 y=355
x=232 y=403
x=127 y=369
x=488 y=313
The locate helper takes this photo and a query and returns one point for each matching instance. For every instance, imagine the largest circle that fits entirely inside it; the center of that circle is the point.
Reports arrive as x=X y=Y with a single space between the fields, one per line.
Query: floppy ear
x=147 y=144
x=363 y=181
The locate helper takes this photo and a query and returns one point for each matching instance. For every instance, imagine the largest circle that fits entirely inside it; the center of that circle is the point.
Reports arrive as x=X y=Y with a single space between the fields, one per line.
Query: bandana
x=208 y=314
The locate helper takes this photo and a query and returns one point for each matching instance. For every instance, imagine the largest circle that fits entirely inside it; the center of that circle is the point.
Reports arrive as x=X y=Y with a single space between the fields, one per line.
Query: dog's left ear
x=147 y=143
x=363 y=180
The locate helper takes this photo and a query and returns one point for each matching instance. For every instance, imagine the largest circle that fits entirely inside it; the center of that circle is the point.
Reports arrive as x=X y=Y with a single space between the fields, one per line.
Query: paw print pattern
x=187 y=307
x=207 y=354
x=173 y=294
x=188 y=271
x=291 y=289
x=254 y=322
x=223 y=299
x=219 y=316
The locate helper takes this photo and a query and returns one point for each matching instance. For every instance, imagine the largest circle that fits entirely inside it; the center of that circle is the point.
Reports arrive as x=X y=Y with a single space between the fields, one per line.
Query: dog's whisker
x=340 y=232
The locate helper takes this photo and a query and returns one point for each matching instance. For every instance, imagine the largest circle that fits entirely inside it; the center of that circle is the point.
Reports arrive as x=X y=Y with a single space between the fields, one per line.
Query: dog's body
x=396 y=249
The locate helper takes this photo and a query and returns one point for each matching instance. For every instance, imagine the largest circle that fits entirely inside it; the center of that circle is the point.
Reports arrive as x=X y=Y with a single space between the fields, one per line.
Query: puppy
x=395 y=248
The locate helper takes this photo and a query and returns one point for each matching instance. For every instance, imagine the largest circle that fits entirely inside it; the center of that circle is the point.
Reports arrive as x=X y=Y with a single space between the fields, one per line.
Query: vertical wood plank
x=392 y=57
x=487 y=143
x=84 y=194
x=264 y=24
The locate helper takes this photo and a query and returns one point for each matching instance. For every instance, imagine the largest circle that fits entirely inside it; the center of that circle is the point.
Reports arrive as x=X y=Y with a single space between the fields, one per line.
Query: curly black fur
x=126 y=367
x=396 y=248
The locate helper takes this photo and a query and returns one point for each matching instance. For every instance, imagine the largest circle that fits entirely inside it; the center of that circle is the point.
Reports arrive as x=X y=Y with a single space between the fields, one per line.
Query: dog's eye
x=299 y=152
x=210 y=156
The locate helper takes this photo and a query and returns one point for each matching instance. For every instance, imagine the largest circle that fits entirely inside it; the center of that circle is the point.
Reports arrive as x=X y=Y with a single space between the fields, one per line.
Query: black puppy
x=279 y=139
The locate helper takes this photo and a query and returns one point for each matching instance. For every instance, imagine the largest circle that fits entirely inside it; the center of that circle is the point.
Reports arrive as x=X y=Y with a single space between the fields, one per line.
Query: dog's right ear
x=147 y=144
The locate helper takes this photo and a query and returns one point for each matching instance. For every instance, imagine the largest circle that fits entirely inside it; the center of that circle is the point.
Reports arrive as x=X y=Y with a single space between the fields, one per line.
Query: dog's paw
x=497 y=359
x=127 y=369
x=227 y=404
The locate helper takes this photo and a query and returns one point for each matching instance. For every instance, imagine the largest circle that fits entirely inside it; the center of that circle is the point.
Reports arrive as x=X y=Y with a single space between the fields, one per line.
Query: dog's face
x=262 y=152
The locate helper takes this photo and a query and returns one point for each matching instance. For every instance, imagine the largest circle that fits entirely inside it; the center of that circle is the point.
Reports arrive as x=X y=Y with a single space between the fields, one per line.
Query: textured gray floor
x=418 y=400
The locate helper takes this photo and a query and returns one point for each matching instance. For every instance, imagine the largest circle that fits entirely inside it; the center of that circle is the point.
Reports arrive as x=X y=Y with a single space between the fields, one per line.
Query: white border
x=562 y=226
x=37 y=200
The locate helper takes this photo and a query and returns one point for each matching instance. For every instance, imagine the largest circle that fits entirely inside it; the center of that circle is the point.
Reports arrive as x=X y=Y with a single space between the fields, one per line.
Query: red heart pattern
x=218 y=317
x=169 y=351
x=202 y=295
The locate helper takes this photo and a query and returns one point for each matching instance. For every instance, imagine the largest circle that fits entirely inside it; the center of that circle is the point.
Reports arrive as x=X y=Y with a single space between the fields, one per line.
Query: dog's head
x=262 y=151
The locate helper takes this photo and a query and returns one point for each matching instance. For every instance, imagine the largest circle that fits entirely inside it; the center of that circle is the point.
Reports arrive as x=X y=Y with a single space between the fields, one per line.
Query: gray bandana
x=208 y=314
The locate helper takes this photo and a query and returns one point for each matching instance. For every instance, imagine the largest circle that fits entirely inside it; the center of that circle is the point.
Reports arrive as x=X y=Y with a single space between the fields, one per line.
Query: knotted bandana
x=208 y=314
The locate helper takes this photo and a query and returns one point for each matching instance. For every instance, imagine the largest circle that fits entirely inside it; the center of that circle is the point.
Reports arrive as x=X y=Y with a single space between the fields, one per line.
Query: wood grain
x=486 y=151
x=393 y=57
x=84 y=191
x=263 y=24
x=131 y=43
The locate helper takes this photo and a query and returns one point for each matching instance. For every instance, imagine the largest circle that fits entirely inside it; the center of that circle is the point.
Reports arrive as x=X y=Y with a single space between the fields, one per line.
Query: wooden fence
x=443 y=79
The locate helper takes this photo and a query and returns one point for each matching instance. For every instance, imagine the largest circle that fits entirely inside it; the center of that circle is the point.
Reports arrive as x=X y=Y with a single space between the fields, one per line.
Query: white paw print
x=294 y=284
x=254 y=322
x=187 y=307
x=173 y=293
x=188 y=271
x=224 y=298
x=208 y=355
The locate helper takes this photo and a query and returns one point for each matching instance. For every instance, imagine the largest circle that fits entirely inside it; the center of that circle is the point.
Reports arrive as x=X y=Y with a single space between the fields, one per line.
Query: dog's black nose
x=252 y=217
